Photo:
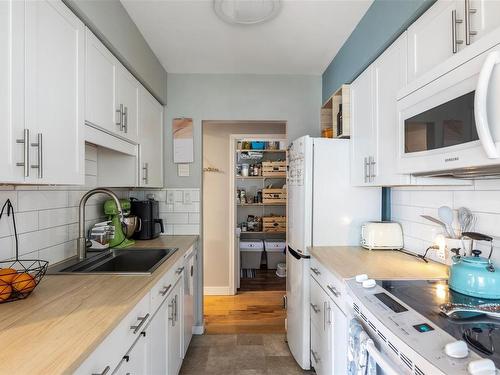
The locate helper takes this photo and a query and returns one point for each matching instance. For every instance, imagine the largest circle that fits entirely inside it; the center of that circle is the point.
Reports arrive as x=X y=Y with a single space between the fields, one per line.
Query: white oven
x=451 y=125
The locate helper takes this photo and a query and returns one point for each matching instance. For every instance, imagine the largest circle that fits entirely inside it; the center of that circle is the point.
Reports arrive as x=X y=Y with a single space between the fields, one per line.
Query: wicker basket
x=18 y=278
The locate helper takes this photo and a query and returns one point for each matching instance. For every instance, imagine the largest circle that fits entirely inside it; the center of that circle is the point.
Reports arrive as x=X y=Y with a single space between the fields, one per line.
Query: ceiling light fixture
x=246 y=12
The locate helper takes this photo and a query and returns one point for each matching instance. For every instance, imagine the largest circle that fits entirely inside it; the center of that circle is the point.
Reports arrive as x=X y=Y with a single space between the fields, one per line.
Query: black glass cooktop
x=480 y=332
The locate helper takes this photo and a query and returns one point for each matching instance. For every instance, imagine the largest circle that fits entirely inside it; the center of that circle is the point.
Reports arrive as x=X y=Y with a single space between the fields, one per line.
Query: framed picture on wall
x=182 y=134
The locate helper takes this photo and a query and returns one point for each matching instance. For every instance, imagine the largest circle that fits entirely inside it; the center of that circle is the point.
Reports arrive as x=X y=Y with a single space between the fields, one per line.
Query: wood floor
x=264 y=280
x=246 y=312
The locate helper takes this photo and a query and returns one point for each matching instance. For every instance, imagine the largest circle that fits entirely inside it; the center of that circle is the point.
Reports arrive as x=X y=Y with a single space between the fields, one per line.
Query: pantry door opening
x=219 y=212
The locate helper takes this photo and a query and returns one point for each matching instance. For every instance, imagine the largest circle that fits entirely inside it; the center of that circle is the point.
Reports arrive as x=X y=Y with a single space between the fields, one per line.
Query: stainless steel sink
x=128 y=261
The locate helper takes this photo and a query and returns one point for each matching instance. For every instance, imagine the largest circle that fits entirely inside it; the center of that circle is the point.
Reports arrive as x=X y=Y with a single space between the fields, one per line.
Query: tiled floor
x=240 y=354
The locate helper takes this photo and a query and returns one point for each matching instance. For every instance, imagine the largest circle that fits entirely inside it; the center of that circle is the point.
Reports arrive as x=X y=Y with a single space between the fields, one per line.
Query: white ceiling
x=188 y=37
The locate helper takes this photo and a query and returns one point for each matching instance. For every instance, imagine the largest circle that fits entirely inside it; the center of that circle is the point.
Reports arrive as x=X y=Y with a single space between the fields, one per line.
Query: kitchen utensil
x=475 y=275
x=466 y=219
x=490 y=309
x=445 y=213
x=436 y=221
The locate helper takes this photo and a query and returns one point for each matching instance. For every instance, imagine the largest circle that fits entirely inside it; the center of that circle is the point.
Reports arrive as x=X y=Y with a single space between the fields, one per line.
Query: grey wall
x=384 y=21
x=111 y=23
x=294 y=99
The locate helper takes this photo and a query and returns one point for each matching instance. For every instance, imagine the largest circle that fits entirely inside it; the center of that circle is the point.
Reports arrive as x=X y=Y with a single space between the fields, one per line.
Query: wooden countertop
x=67 y=316
x=349 y=261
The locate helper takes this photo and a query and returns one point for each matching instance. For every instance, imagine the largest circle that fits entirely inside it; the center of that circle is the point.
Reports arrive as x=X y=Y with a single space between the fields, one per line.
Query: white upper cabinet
x=41 y=93
x=55 y=48
x=363 y=145
x=127 y=104
x=100 y=84
x=431 y=39
x=112 y=93
x=11 y=90
x=151 y=141
x=389 y=77
x=447 y=28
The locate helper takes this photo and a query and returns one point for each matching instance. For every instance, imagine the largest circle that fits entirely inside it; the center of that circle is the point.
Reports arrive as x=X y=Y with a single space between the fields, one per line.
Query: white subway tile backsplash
x=177 y=218
x=41 y=200
x=7 y=248
x=482 y=198
x=59 y=252
x=181 y=207
x=57 y=217
x=194 y=218
x=186 y=229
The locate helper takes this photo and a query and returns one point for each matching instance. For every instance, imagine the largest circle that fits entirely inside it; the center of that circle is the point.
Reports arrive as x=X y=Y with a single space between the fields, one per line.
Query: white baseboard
x=217 y=291
x=198 y=330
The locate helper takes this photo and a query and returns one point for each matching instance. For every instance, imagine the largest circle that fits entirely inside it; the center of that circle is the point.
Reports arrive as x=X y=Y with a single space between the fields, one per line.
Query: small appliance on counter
x=120 y=239
x=475 y=275
x=100 y=235
x=379 y=235
x=148 y=211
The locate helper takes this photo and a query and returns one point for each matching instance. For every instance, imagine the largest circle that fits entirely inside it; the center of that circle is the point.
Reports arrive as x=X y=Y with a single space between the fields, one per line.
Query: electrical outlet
x=187 y=197
x=171 y=197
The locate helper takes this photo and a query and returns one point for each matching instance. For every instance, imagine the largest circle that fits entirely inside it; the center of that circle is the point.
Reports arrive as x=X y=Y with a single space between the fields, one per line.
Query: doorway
x=236 y=298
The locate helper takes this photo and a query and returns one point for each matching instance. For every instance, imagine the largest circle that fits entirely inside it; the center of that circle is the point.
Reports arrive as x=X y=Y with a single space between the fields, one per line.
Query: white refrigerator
x=323 y=210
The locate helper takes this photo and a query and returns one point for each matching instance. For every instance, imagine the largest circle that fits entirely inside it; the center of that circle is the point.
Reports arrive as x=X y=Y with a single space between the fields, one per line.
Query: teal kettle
x=475 y=275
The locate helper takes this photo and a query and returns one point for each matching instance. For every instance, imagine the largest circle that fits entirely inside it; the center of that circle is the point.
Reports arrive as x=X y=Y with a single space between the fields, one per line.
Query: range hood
x=469 y=173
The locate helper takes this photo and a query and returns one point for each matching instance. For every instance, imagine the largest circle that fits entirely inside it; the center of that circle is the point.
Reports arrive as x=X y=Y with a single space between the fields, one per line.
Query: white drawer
x=111 y=351
x=316 y=350
x=333 y=286
x=163 y=287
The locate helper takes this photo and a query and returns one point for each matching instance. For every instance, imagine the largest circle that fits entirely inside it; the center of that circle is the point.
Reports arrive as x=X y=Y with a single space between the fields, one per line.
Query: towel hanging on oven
x=359 y=360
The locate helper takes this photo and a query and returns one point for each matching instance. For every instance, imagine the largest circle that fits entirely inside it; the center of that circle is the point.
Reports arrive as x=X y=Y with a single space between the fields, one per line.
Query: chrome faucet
x=82 y=240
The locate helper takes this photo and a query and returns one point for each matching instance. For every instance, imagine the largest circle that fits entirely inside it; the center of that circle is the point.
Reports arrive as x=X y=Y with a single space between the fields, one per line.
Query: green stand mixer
x=111 y=210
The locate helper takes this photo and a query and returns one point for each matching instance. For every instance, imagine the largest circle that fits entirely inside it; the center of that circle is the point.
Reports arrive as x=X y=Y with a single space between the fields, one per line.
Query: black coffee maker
x=149 y=212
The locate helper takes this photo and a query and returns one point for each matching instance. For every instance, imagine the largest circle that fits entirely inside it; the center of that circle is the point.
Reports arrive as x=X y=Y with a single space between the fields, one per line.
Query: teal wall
x=384 y=21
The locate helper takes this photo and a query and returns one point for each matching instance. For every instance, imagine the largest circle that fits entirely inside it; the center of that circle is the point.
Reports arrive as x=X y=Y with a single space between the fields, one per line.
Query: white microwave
x=451 y=125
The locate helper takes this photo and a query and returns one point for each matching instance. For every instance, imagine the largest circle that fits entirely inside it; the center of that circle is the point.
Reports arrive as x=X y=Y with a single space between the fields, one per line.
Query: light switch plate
x=187 y=197
x=183 y=170
x=170 y=197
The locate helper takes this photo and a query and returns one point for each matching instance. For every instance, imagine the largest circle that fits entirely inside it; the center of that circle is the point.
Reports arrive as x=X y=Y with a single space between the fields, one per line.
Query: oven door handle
x=481 y=105
x=384 y=363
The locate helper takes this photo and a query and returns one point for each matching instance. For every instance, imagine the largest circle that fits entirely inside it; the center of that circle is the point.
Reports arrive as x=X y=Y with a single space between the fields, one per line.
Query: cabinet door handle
x=165 y=290
x=468 y=31
x=26 y=152
x=39 y=145
x=145 y=173
x=366 y=170
x=315 y=356
x=125 y=119
x=334 y=290
x=142 y=320
x=176 y=309
x=315 y=271
x=119 y=112
x=315 y=308
x=454 y=21
x=371 y=169
x=171 y=306
x=179 y=270
x=105 y=371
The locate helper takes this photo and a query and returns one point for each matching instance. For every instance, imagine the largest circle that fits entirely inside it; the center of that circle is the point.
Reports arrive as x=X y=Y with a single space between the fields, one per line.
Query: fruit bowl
x=18 y=278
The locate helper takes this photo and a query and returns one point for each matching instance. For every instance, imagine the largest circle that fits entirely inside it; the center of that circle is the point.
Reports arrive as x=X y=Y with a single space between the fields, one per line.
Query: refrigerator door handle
x=296 y=255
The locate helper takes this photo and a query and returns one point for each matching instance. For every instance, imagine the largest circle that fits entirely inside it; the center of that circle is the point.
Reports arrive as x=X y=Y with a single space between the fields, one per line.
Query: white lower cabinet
x=175 y=330
x=328 y=324
x=151 y=338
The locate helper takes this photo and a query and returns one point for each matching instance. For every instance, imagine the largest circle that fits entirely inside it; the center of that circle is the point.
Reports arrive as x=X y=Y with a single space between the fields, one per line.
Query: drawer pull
x=165 y=290
x=142 y=320
x=332 y=289
x=315 y=356
x=105 y=371
x=315 y=308
x=315 y=271
x=179 y=270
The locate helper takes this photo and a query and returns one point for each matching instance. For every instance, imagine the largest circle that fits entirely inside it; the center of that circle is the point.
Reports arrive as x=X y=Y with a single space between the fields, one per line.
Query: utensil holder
x=465 y=245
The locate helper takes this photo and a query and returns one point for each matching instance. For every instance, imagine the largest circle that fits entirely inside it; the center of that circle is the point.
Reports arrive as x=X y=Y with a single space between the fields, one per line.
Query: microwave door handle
x=384 y=363
x=481 y=105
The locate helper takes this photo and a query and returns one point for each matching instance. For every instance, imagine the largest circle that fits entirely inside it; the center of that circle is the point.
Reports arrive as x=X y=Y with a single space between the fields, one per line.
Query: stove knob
x=361 y=278
x=370 y=283
x=481 y=367
x=456 y=349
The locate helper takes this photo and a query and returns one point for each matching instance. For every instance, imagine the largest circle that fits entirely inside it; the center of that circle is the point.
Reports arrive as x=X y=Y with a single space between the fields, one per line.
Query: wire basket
x=18 y=278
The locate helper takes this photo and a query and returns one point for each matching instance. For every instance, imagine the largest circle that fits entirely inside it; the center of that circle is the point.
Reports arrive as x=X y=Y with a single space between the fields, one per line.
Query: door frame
x=234 y=259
